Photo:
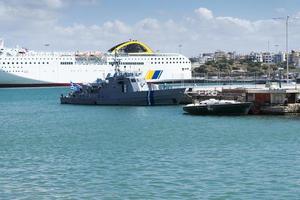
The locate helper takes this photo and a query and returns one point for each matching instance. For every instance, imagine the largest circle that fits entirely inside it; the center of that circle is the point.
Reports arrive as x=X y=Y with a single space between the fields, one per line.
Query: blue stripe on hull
x=156 y=74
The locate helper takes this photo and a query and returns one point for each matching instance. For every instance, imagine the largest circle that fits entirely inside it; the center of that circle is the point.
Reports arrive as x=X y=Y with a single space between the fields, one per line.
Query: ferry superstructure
x=21 y=67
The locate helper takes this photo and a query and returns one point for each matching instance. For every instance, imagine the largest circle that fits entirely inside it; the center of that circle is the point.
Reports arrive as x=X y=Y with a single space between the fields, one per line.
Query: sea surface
x=53 y=151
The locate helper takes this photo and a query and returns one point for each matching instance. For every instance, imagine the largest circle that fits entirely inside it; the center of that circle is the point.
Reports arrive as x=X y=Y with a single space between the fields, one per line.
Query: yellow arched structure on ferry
x=132 y=46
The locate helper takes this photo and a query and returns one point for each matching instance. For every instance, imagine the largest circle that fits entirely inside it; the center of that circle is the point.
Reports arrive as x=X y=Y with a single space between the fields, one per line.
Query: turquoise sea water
x=53 y=151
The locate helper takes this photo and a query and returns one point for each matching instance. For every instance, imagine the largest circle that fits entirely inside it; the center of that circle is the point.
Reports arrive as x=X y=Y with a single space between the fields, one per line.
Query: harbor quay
x=265 y=98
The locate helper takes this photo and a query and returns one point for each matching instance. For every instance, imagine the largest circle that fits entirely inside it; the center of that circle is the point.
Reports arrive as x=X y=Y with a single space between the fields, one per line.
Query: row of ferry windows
x=128 y=63
x=25 y=63
x=72 y=59
x=11 y=67
x=167 y=58
x=66 y=63
x=12 y=71
x=36 y=59
x=141 y=63
x=168 y=62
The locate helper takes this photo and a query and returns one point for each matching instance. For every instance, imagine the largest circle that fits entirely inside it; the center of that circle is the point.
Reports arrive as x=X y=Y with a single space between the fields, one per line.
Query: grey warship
x=123 y=88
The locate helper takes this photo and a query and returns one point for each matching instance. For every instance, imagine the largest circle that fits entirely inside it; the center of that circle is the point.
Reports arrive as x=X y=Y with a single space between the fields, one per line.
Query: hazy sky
x=198 y=25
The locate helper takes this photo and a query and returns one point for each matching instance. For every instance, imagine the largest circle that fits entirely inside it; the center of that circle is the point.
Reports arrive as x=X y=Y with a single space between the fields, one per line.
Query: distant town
x=264 y=63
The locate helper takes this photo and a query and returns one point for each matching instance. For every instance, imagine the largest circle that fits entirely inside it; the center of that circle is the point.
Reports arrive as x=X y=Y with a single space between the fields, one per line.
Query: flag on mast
x=75 y=86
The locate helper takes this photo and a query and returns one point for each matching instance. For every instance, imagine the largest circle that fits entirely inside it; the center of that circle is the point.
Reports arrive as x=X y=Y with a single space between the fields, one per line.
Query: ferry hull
x=8 y=80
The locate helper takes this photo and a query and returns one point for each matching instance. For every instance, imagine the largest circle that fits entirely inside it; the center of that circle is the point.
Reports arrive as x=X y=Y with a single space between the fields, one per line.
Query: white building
x=256 y=57
x=205 y=57
x=267 y=57
x=279 y=57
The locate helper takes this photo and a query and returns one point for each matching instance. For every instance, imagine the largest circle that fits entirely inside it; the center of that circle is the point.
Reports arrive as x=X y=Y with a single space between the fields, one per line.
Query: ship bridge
x=132 y=46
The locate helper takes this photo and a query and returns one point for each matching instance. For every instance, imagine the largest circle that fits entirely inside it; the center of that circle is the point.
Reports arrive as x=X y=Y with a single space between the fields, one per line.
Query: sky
x=196 y=25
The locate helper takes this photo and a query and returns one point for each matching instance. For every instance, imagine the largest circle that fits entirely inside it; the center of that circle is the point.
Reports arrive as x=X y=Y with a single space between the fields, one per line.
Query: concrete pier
x=266 y=99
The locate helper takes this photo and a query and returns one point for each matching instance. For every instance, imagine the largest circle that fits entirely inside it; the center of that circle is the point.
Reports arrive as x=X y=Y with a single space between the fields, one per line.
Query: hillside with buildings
x=231 y=62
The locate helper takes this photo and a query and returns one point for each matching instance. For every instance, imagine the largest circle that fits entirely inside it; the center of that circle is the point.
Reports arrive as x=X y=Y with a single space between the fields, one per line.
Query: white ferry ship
x=21 y=67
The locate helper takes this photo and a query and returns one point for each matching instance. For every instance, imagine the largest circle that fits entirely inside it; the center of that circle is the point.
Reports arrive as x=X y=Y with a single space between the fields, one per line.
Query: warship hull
x=140 y=98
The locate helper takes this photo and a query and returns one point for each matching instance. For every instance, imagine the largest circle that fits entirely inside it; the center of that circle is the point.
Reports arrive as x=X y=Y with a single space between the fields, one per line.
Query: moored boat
x=122 y=88
x=218 y=107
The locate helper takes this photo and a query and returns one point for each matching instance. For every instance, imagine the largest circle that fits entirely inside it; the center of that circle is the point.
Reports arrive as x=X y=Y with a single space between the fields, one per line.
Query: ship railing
x=142 y=54
x=45 y=54
x=234 y=79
